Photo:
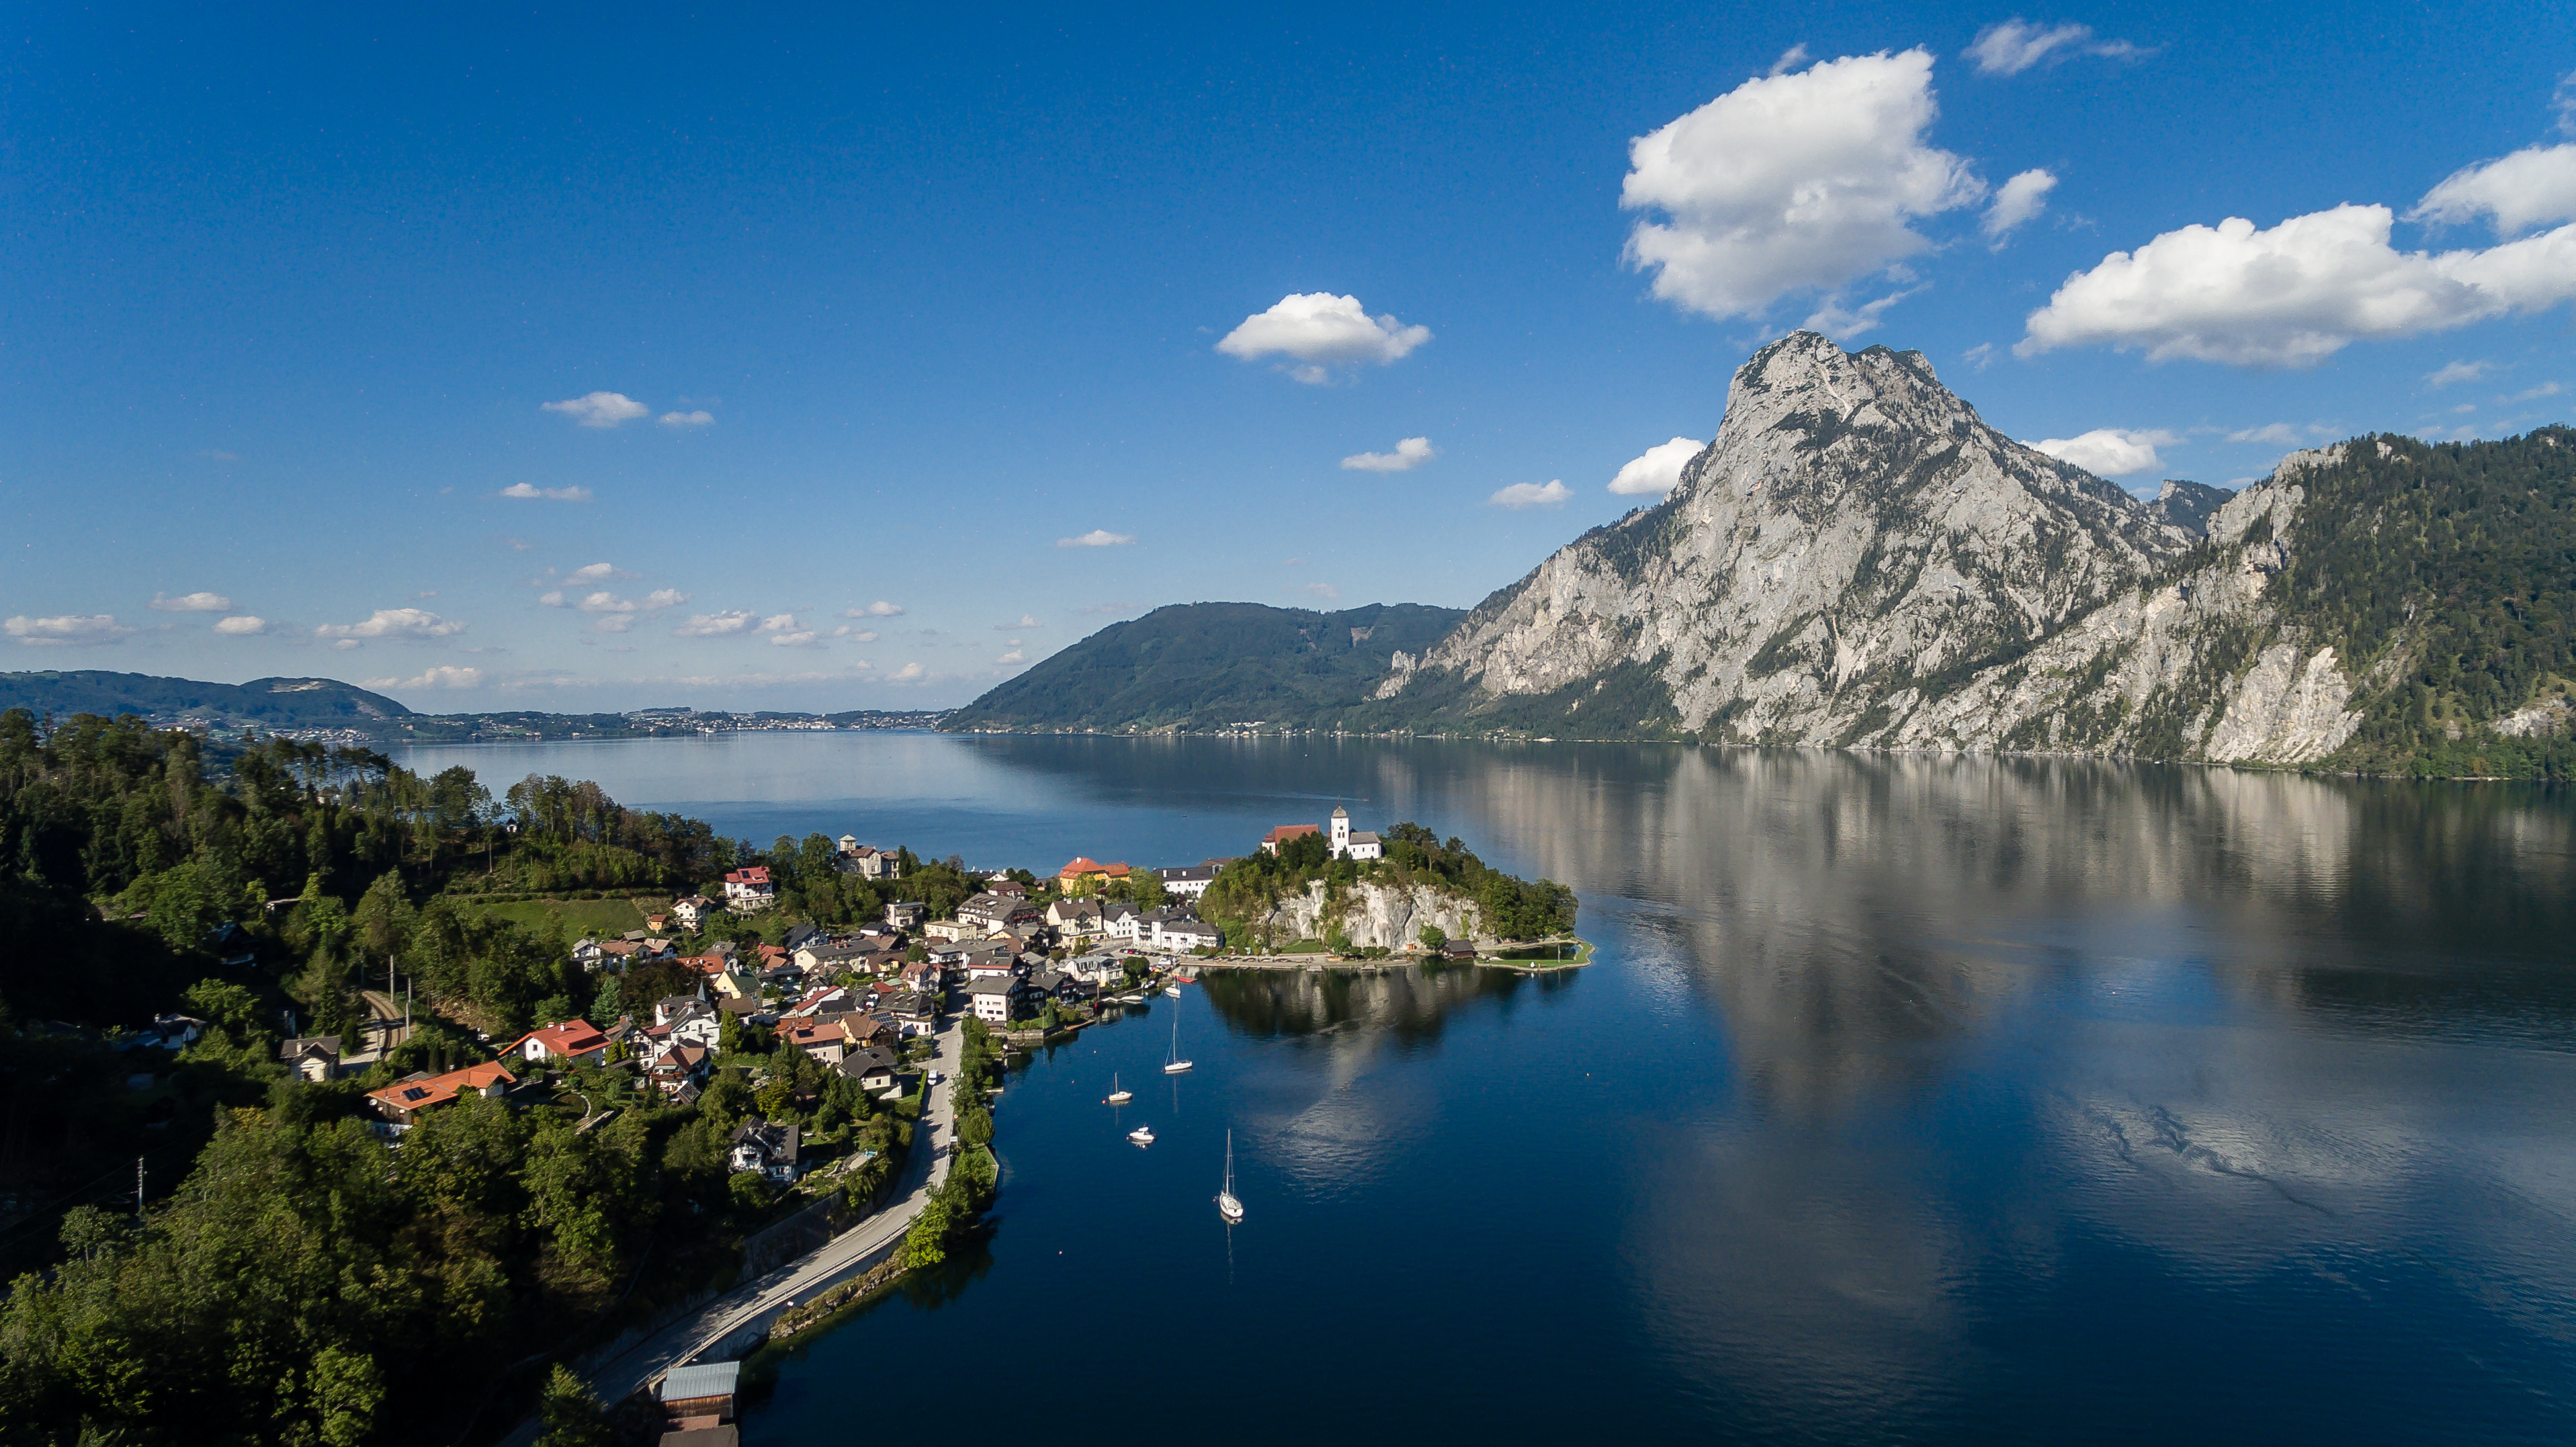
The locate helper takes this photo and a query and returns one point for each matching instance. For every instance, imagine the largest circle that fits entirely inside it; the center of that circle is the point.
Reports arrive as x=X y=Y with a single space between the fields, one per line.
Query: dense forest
x=1512 y=908
x=288 y=1280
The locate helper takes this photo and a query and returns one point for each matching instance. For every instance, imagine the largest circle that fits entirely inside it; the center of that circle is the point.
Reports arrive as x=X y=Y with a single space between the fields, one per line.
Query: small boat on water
x=1117 y=1094
x=1173 y=1064
x=1226 y=1204
x=1142 y=1135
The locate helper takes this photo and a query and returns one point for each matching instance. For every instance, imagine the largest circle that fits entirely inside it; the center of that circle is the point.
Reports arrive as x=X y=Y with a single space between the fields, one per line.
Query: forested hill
x=292 y=703
x=1211 y=665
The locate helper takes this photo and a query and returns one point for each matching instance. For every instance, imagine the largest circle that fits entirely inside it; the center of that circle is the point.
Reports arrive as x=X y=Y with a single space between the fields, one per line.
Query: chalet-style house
x=403 y=1101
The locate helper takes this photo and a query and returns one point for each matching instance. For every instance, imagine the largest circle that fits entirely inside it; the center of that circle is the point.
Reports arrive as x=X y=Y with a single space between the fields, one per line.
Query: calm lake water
x=1908 y=1099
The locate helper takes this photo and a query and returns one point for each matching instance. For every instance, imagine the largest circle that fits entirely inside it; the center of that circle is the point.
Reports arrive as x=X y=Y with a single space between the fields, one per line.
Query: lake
x=1905 y=1099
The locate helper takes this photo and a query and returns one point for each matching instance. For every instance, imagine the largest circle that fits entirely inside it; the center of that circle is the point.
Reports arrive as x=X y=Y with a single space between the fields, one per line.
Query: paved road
x=925 y=1172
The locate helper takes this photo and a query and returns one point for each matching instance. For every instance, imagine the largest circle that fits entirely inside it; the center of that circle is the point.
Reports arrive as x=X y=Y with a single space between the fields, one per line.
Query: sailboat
x=1117 y=1095
x=1226 y=1205
x=1174 y=1065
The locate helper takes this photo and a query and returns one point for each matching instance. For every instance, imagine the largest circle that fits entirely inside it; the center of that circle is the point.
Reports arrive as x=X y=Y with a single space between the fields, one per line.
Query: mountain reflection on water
x=1908 y=1098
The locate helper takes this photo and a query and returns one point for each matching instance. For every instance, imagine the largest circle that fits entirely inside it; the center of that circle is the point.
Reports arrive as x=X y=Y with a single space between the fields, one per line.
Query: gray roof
x=715 y=1379
x=993 y=985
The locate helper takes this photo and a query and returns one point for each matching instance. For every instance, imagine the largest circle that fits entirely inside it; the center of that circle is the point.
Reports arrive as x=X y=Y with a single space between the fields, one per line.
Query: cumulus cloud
x=242 y=626
x=392 y=623
x=2451 y=372
x=192 y=603
x=601 y=409
x=2017 y=201
x=2279 y=434
x=909 y=673
x=2515 y=192
x=1657 y=470
x=604 y=601
x=878 y=609
x=688 y=419
x=856 y=635
x=1014 y=656
x=595 y=572
x=1097 y=538
x=1322 y=330
x=66 y=631
x=1027 y=620
x=785 y=632
x=525 y=490
x=2016 y=45
x=2110 y=451
x=440 y=677
x=1409 y=453
x=1531 y=494
x=717 y=625
x=1805 y=181
x=2296 y=294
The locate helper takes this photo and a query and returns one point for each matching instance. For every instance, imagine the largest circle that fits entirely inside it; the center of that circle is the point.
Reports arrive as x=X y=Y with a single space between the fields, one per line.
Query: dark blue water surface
x=1908 y=1099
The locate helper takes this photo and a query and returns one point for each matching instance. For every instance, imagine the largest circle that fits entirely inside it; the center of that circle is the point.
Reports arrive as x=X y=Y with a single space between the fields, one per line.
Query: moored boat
x=1226 y=1204
x=1118 y=1095
x=1142 y=1135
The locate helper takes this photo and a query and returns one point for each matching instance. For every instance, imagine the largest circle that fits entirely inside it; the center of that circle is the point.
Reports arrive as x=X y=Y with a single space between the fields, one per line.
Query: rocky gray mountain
x=1857 y=559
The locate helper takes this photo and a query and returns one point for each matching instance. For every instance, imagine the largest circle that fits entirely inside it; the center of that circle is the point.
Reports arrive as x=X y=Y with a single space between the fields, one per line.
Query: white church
x=1347 y=845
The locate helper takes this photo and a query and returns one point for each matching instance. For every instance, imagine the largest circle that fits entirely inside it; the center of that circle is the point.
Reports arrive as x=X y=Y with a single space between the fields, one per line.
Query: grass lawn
x=598 y=918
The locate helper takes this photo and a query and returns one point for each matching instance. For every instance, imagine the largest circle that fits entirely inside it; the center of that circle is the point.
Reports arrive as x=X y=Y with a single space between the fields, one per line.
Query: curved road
x=677 y=1344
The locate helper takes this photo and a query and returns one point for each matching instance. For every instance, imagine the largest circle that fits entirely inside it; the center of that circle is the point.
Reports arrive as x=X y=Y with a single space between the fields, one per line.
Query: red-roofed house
x=749 y=889
x=575 y=1042
x=1271 y=841
x=404 y=1100
x=1084 y=864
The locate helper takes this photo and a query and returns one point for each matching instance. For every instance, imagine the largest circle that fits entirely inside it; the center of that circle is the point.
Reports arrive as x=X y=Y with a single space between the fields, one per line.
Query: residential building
x=698 y=1398
x=312 y=1057
x=993 y=997
x=952 y=930
x=587 y=954
x=1120 y=920
x=1179 y=932
x=404 y=1101
x=1097 y=969
x=872 y=1068
x=748 y=890
x=905 y=913
x=687 y=1020
x=869 y=863
x=568 y=1042
x=1189 y=882
x=1006 y=886
x=692 y=912
x=993 y=913
x=1271 y=841
x=768 y=1147
x=1074 y=918
x=1347 y=845
x=679 y=1070
x=1085 y=867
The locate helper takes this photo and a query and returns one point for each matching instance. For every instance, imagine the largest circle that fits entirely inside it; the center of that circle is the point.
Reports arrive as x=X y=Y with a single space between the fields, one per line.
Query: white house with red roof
x=572 y=1042
x=748 y=890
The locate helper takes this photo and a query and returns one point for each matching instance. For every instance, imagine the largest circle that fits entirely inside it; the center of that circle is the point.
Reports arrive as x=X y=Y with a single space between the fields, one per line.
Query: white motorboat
x=1226 y=1204
x=1142 y=1135
x=1173 y=1064
x=1118 y=1095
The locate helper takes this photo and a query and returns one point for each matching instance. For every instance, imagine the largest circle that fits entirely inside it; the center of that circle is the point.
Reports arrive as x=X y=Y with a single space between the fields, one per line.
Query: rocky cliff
x=1857 y=559
x=1373 y=914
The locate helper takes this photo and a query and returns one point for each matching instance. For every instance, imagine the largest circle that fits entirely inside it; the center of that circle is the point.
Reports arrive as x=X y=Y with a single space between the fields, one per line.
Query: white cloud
x=1321 y=330
x=393 y=623
x=688 y=419
x=909 y=673
x=613 y=623
x=1836 y=320
x=661 y=598
x=2296 y=294
x=67 y=631
x=1014 y=656
x=2016 y=45
x=878 y=609
x=1797 y=182
x=601 y=409
x=606 y=602
x=552 y=494
x=2516 y=192
x=2457 y=372
x=1097 y=538
x=1531 y=494
x=242 y=626
x=856 y=635
x=785 y=632
x=2278 y=434
x=440 y=677
x=595 y=572
x=551 y=600
x=1409 y=453
x=717 y=625
x=192 y=603
x=1322 y=590
x=1657 y=470
x=347 y=643
x=2017 y=201
x=2110 y=451
x=2533 y=394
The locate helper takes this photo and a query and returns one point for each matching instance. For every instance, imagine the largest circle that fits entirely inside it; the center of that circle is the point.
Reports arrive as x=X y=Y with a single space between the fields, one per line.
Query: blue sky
x=1022 y=321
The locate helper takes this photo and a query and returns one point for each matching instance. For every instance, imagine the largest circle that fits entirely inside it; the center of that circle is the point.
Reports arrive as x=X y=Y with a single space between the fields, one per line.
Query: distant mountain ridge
x=1212 y=666
x=270 y=702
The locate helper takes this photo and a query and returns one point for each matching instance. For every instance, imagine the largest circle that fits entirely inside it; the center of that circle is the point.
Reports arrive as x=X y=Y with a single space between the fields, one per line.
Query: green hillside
x=1210 y=665
x=272 y=702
